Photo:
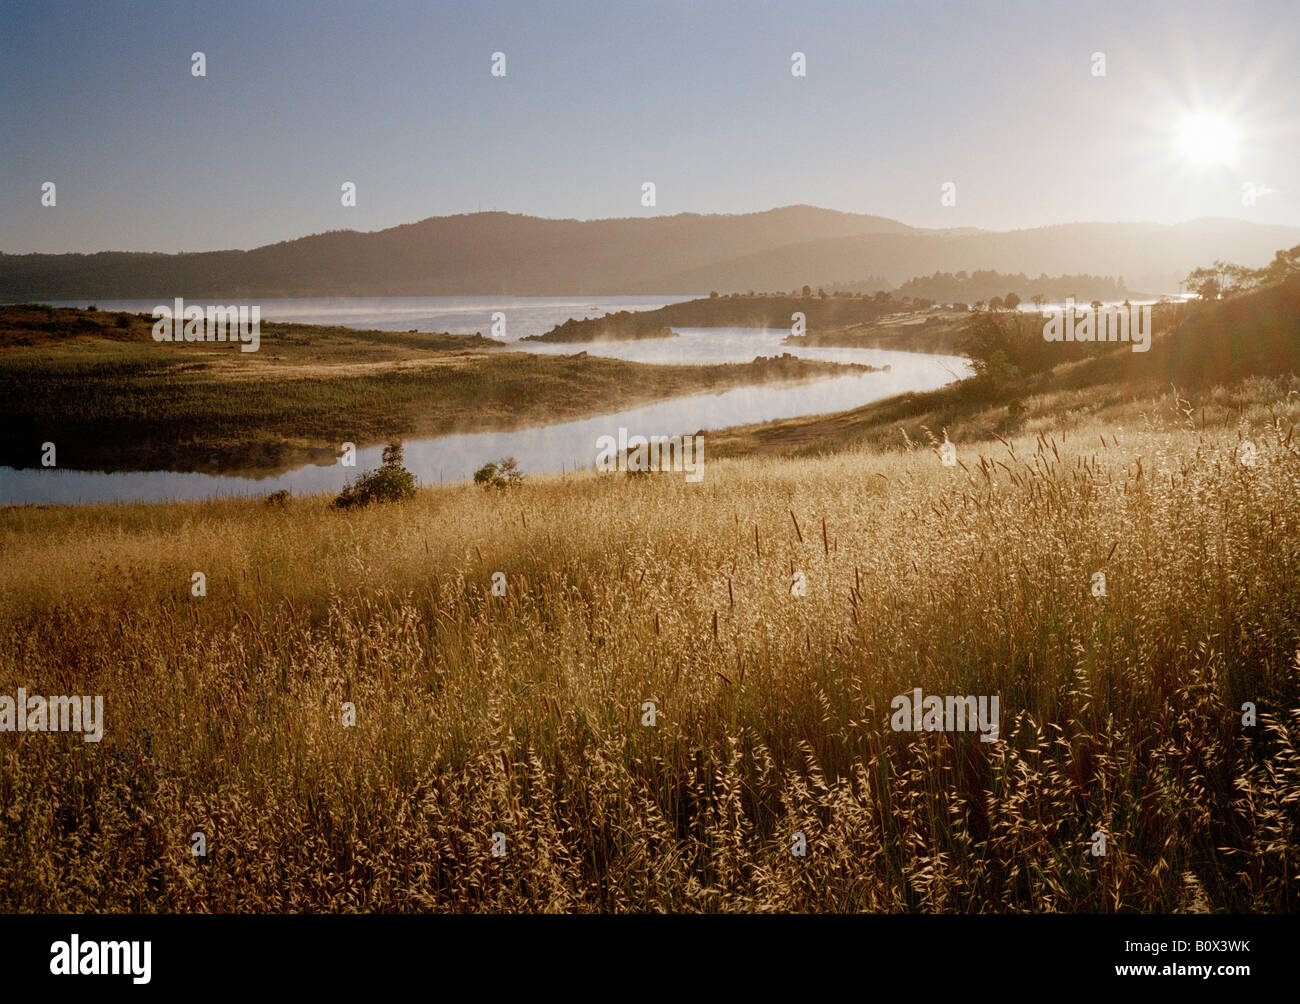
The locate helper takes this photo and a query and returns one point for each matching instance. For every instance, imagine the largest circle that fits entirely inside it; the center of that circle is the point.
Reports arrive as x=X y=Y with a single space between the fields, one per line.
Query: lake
x=461 y=315
x=551 y=448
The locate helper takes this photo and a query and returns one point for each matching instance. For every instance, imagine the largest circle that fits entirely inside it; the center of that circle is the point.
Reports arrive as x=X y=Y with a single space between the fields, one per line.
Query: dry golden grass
x=522 y=714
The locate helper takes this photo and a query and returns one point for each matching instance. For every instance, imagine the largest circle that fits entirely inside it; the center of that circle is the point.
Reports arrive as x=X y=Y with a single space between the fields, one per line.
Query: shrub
x=501 y=475
x=390 y=482
x=1017 y=413
x=278 y=500
x=997 y=343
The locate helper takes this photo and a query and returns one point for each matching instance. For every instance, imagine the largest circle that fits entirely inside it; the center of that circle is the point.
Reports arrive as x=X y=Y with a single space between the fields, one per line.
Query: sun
x=1207 y=140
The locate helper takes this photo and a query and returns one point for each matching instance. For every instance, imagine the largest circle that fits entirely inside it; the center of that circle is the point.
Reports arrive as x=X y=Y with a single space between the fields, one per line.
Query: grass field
x=522 y=715
x=682 y=686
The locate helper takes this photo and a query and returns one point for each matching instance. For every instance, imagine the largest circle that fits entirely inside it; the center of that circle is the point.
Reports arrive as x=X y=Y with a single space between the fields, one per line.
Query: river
x=551 y=448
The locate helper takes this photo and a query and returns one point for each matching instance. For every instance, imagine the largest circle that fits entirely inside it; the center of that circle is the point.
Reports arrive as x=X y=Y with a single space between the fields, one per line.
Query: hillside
x=502 y=253
x=1197 y=348
x=480 y=253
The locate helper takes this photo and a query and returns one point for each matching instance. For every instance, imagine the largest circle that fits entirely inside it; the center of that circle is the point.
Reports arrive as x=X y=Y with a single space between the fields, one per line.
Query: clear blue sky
x=696 y=96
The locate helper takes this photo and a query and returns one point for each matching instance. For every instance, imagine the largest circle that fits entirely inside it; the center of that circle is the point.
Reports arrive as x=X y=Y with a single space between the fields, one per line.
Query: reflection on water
x=558 y=447
x=461 y=315
x=549 y=448
x=703 y=346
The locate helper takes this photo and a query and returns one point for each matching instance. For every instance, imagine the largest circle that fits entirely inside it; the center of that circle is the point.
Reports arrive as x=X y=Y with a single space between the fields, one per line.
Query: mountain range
x=497 y=253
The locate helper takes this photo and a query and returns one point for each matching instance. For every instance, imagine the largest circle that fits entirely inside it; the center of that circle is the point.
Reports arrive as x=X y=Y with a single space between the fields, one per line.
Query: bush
x=1017 y=413
x=391 y=482
x=501 y=475
x=278 y=500
x=1005 y=346
x=994 y=379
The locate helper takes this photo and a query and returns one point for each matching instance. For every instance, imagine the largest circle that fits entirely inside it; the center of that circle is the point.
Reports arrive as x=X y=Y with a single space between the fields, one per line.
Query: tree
x=1011 y=301
x=1283 y=265
x=807 y=292
x=1204 y=282
x=1210 y=282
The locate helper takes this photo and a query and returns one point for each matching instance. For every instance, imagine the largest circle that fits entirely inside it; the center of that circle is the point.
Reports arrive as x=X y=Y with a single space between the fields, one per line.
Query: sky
x=1000 y=99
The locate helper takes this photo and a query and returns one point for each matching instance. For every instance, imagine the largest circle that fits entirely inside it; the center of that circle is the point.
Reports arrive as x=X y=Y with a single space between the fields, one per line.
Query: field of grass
x=523 y=715
x=110 y=398
x=651 y=718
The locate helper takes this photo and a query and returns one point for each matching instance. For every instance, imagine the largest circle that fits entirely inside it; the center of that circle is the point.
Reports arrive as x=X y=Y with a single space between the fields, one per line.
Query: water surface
x=550 y=448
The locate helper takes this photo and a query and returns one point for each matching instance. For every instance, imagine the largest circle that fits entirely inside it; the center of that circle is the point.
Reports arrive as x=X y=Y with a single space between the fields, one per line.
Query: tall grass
x=522 y=714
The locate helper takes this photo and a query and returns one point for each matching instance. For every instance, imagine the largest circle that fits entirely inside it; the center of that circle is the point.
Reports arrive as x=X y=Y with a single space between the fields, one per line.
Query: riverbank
x=623 y=326
x=895 y=324
x=110 y=398
x=927 y=331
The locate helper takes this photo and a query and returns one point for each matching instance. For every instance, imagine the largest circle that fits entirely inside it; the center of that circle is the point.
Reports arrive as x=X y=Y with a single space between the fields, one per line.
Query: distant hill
x=504 y=253
x=1150 y=257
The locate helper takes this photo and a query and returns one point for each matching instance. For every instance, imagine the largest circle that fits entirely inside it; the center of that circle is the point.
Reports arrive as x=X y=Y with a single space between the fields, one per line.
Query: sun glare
x=1206 y=140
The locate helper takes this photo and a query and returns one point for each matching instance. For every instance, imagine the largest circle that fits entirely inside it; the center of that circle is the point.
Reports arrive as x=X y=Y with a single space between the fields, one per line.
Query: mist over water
x=460 y=315
x=551 y=448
